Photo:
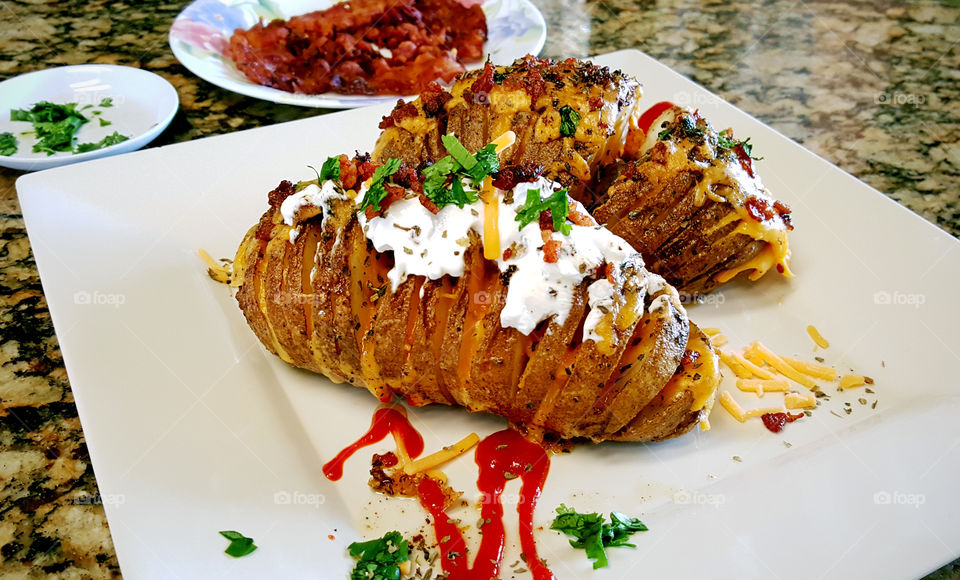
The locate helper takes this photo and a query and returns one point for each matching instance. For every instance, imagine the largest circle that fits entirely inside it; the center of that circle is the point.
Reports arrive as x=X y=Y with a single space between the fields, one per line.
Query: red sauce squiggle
x=386 y=421
x=503 y=456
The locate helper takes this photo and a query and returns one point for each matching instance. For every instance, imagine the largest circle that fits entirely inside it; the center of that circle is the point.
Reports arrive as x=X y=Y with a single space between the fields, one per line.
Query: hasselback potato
x=690 y=202
x=503 y=298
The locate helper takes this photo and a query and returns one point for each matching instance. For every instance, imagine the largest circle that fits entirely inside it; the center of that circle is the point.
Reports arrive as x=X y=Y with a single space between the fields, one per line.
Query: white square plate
x=193 y=428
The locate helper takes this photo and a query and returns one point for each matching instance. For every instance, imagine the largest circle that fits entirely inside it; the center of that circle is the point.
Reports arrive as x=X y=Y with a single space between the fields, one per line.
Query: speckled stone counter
x=873 y=87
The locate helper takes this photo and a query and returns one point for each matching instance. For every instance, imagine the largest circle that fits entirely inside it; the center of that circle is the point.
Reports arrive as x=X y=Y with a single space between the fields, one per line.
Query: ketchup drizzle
x=502 y=453
x=386 y=421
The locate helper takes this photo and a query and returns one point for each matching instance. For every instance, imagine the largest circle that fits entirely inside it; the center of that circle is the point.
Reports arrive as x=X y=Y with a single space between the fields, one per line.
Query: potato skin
x=322 y=303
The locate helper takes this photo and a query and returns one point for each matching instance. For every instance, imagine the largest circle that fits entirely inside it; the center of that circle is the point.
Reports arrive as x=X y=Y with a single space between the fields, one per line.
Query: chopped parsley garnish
x=104 y=122
x=454 y=168
x=330 y=169
x=106 y=103
x=8 y=144
x=534 y=206
x=569 y=119
x=240 y=545
x=499 y=77
x=726 y=142
x=377 y=192
x=593 y=534
x=107 y=141
x=458 y=151
x=486 y=163
x=55 y=127
x=379 y=559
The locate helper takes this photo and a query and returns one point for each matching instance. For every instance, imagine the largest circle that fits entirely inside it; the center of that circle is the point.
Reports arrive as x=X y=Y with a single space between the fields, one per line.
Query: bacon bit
x=427 y=203
x=659 y=153
x=596 y=103
x=551 y=251
x=745 y=161
x=407 y=177
x=512 y=175
x=348 y=172
x=507 y=254
x=609 y=272
x=578 y=218
x=365 y=169
x=776 y=421
x=783 y=210
x=546 y=222
x=690 y=358
x=401 y=111
x=282 y=192
x=479 y=91
x=433 y=99
x=758 y=208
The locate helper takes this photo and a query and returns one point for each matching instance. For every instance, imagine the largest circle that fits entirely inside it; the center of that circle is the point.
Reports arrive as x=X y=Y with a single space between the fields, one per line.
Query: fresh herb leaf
x=534 y=206
x=20 y=115
x=8 y=144
x=240 y=545
x=379 y=559
x=105 y=103
x=592 y=534
x=458 y=151
x=101 y=144
x=499 y=77
x=330 y=169
x=435 y=176
x=377 y=192
x=486 y=163
x=665 y=134
x=458 y=195
x=569 y=119
x=104 y=122
x=726 y=142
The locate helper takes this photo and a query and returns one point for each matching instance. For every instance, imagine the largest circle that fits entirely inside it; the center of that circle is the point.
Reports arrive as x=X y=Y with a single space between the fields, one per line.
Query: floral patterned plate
x=203 y=29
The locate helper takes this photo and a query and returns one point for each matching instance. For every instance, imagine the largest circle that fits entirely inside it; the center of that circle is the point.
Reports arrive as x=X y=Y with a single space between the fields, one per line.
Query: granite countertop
x=873 y=87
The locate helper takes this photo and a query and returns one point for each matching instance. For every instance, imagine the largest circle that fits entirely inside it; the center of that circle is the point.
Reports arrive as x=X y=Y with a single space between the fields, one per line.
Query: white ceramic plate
x=143 y=106
x=204 y=28
x=194 y=428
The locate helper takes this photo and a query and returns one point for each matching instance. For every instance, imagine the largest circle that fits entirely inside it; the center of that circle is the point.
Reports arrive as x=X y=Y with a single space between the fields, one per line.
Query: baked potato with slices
x=570 y=118
x=690 y=202
x=318 y=294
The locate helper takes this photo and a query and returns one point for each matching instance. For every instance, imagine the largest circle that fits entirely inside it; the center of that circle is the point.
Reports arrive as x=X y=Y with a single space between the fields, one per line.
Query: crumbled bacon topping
x=508 y=177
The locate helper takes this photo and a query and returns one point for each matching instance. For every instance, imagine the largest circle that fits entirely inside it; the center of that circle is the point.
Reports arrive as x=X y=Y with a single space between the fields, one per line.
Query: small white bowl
x=143 y=106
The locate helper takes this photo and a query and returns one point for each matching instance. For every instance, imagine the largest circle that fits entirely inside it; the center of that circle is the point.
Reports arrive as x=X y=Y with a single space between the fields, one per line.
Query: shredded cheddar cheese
x=817 y=337
x=727 y=402
x=737 y=412
x=799 y=401
x=491 y=231
x=219 y=272
x=761 y=386
x=710 y=331
x=440 y=457
x=812 y=369
x=718 y=340
x=851 y=382
x=781 y=365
